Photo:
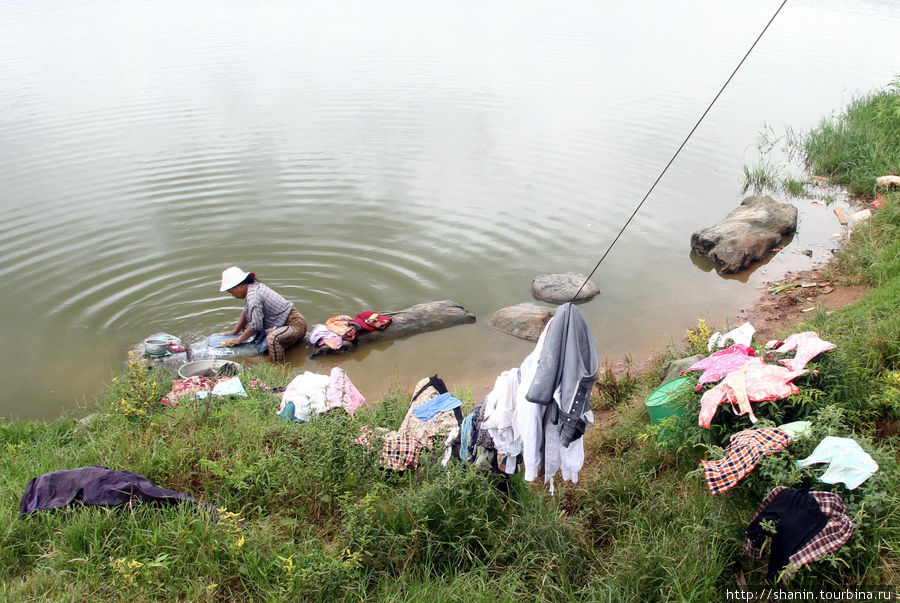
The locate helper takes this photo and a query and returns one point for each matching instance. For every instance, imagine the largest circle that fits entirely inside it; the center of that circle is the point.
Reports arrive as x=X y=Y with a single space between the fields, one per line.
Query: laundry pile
x=801 y=526
x=201 y=387
x=344 y=328
x=532 y=420
x=746 y=378
x=311 y=394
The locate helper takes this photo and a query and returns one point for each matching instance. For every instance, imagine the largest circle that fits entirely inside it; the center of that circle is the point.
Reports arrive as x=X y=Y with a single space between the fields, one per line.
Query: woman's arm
x=241 y=323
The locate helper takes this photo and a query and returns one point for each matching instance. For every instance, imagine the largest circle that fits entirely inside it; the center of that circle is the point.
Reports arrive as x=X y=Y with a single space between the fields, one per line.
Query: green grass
x=307 y=515
x=861 y=144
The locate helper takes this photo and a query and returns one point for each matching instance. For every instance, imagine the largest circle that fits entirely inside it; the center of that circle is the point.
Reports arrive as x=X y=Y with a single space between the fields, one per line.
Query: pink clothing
x=342 y=393
x=755 y=382
x=191 y=385
x=716 y=366
x=808 y=346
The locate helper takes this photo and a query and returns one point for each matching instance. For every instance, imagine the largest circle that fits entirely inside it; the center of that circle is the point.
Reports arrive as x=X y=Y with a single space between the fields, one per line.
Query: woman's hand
x=230 y=343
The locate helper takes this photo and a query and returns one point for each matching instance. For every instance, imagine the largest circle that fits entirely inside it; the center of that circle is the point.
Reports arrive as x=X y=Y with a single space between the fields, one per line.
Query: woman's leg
x=280 y=339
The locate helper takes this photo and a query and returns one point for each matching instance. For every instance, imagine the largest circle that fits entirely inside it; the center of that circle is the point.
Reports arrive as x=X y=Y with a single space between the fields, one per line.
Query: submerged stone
x=525 y=321
x=746 y=234
x=561 y=288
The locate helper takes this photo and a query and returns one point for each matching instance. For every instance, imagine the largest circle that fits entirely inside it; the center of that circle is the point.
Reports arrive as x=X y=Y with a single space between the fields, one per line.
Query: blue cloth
x=849 y=463
x=255 y=345
x=465 y=433
x=427 y=410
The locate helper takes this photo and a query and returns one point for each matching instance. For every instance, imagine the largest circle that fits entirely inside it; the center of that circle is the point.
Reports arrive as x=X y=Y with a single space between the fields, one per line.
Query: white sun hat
x=232 y=277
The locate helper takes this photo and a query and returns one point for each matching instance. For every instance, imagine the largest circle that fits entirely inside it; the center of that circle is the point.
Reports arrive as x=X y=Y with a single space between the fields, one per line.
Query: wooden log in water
x=421 y=318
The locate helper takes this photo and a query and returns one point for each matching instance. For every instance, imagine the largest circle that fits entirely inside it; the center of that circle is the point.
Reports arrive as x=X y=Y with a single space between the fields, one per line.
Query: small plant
x=699 y=338
x=136 y=395
x=760 y=178
x=795 y=187
x=612 y=389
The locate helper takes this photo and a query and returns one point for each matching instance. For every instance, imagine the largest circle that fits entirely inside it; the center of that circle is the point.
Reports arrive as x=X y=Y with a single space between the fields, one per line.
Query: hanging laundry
x=721 y=363
x=559 y=372
x=499 y=409
x=835 y=533
x=744 y=450
x=451 y=441
x=95 y=485
x=442 y=402
x=311 y=393
x=743 y=335
x=808 y=346
x=566 y=371
x=465 y=437
x=754 y=382
x=849 y=463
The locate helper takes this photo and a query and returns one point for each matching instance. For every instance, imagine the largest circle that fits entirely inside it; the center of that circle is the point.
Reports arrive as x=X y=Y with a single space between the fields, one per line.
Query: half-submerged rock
x=561 y=288
x=525 y=321
x=429 y=316
x=747 y=234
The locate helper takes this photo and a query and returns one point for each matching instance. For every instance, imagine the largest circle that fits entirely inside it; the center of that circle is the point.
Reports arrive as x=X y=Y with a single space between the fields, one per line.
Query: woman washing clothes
x=265 y=314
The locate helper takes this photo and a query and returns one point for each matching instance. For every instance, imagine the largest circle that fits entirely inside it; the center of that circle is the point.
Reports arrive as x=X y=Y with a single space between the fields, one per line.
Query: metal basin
x=209 y=368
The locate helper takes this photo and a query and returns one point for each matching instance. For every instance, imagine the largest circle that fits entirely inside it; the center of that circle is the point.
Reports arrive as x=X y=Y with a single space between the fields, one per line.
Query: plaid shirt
x=744 y=451
x=832 y=537
x=264 y=308
x=399 y=452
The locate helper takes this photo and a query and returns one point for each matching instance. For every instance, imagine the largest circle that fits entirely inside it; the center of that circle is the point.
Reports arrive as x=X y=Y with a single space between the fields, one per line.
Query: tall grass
x=859 y=145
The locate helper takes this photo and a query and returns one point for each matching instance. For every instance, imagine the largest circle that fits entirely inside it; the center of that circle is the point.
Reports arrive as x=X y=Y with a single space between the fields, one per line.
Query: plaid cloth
x=832 y=537
x=399 y=452
x=744 y=450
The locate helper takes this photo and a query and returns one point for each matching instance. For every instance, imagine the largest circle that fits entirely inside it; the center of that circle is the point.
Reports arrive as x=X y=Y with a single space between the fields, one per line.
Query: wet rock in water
x=747 y=234
x=525 y=321
x=429 y=316
x=561 y=288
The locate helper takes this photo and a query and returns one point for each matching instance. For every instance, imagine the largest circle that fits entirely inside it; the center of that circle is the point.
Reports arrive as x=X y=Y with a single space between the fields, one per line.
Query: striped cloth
x=398 y=452
x=833 y=536
x=744 y=450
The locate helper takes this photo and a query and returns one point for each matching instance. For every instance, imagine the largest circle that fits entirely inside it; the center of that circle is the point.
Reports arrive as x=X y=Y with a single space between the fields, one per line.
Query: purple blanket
x=94 y=485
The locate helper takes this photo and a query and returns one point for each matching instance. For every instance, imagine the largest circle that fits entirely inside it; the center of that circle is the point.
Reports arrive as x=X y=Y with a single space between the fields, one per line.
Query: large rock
x=561 y=288
x=429 y=316
x=747 y=234
x=525 y=321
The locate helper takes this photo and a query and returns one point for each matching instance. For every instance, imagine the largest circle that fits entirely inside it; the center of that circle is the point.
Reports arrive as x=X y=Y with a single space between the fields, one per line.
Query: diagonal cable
x=684 y=142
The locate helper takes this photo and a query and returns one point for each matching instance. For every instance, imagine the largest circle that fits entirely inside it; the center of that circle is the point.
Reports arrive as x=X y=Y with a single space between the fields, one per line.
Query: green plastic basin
x=660 y=402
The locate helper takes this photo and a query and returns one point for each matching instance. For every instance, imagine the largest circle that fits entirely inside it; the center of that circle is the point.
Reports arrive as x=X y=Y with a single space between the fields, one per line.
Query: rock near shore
x=561 y=288
x=525 y=321
x=747 y=234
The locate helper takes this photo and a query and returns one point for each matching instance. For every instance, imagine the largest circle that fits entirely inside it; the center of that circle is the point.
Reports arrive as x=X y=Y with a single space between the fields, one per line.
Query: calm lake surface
x=361 y=155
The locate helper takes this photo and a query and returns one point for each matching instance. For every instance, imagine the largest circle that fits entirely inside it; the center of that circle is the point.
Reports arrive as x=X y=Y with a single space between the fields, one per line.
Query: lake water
x=361 y=155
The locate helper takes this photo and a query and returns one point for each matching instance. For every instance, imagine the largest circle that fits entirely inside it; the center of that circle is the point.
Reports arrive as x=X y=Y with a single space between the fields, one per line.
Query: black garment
x=797 y=518
x=94 y=485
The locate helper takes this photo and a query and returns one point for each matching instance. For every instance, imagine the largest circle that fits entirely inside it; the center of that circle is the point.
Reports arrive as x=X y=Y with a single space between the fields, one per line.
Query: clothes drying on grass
x=808 y=345
x=398 y=452
x=744 y=450
x=312 y=393
x=743 y=335
x=442 y=402
x=342 y=325
x=95 y=485
x=201 y=387
x=719 y=364
x=795 y=520
x=754 y=382
x=848 y=462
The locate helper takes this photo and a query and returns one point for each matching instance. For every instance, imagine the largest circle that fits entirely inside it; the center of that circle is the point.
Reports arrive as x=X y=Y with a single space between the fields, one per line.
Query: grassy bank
x=306 y=514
